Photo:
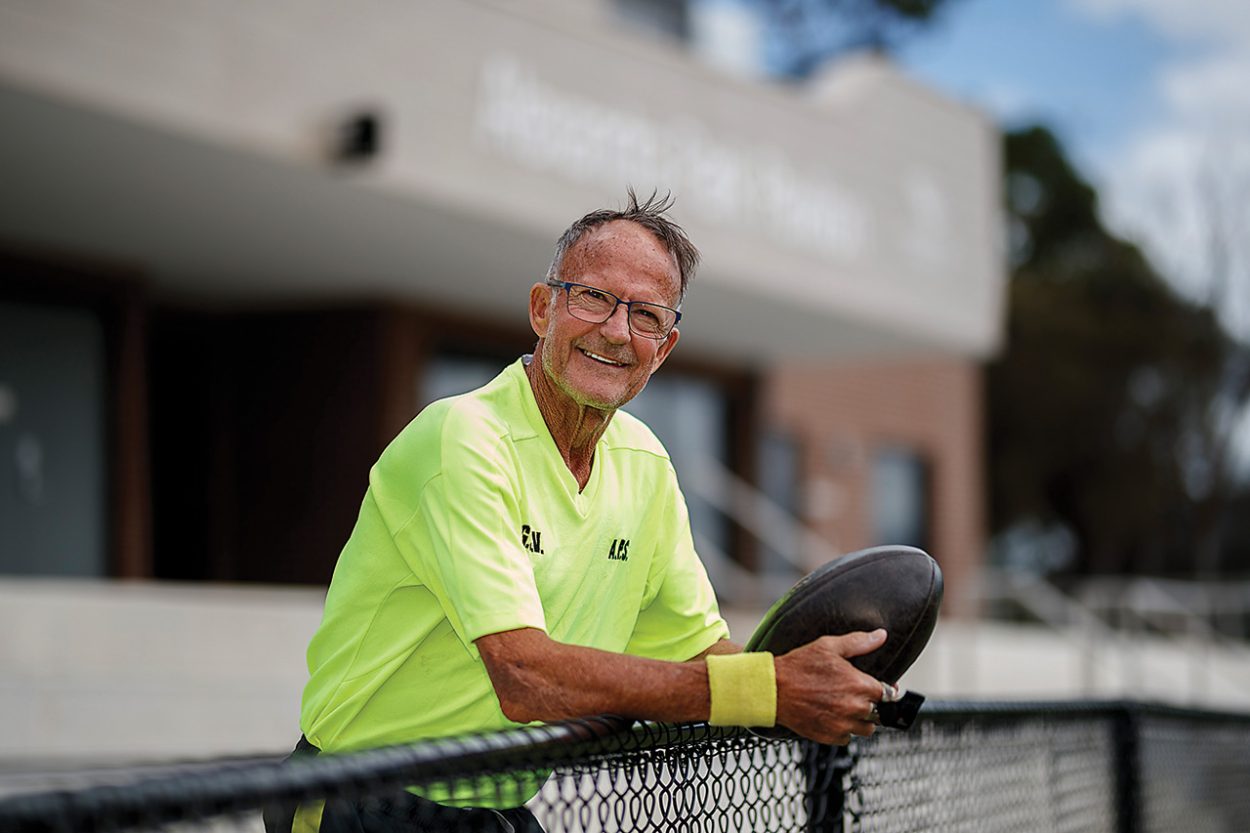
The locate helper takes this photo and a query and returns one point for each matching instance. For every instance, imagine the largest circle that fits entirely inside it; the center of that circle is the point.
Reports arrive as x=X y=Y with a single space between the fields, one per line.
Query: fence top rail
x=244 y=785
x=947 y=710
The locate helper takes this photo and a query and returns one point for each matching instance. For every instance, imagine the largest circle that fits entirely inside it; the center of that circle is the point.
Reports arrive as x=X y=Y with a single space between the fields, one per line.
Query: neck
x=574 y=427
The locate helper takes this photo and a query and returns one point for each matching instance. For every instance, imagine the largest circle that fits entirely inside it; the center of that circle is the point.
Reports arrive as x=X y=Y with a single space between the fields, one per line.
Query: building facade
x=241 y=245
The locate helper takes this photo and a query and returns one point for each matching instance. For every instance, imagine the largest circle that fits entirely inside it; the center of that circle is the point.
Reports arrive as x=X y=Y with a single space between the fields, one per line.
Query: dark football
x=896 y=588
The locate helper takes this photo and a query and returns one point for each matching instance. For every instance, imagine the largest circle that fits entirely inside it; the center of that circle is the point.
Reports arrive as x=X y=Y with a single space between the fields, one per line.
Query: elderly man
x=523 y=552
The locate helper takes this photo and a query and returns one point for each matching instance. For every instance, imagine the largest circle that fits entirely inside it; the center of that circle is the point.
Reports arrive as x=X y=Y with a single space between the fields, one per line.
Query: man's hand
x=821 y=696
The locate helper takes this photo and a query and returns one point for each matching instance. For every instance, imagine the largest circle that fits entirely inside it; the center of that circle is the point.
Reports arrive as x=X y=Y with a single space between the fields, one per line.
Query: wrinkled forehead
x=624 y=244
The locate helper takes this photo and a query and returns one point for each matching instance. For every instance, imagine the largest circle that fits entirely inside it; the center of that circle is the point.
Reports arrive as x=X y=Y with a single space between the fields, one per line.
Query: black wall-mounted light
x=358 y=139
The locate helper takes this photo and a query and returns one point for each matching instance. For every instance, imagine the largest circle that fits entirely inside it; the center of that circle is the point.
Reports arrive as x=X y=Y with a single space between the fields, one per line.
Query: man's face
x=605 y=365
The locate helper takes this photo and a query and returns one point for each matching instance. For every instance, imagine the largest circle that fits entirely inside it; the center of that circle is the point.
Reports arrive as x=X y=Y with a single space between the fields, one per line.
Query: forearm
x=537 y=678
x=818 y=693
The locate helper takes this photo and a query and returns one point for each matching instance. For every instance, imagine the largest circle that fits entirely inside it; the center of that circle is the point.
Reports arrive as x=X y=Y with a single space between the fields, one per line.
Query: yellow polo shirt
x=472 y=524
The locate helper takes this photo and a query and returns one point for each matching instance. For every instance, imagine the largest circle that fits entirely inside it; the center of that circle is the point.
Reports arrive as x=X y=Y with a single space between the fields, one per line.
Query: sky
x=1151 y=99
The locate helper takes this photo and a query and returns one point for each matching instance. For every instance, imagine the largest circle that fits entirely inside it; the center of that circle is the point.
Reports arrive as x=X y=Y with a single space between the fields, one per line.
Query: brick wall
x=841 y=413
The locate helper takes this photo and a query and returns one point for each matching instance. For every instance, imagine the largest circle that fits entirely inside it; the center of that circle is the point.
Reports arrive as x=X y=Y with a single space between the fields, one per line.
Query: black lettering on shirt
x=531 y=539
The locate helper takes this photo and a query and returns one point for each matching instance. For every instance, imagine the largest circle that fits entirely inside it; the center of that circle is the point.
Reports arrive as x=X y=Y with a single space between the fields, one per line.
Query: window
x=690 y=415
x=52 y=442
x=900 y=497
x=449 y=374
x=780 y=479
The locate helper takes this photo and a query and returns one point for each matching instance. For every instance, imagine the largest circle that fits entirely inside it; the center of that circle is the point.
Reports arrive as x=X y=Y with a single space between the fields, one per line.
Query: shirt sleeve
x=680 y=617
x=463 y=540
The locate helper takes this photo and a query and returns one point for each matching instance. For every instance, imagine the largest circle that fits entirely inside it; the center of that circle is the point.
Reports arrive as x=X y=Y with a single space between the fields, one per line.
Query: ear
x=541 y=308
x=665 y=349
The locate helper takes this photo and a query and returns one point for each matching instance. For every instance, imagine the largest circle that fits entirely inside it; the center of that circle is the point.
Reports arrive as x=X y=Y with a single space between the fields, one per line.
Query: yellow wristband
x=743 y=689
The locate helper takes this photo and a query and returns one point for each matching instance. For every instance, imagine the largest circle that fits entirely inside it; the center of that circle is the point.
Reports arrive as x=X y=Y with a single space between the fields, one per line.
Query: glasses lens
x=651 y=320
x=591 y=304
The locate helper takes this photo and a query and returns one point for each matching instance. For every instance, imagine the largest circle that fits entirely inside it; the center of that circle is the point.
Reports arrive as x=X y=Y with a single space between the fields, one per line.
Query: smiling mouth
x=601 y=359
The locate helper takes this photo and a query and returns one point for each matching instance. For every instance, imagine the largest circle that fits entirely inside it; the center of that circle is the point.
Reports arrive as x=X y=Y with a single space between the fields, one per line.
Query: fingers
x=864 y=728
x=860 y=643
x=855 y=681
x=862 y=724
x=821 y=695
x=856 y=728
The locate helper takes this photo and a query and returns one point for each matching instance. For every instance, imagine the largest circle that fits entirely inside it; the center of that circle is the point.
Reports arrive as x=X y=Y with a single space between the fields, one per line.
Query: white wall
x=133 y=671
x=100 y=669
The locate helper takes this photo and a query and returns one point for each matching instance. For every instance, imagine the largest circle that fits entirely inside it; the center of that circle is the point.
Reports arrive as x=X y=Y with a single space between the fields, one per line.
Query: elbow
x=516 y=707
x=519 y=671
x=516 y=691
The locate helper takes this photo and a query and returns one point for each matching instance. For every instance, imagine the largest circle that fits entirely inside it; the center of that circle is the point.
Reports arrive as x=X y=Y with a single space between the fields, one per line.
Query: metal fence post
x=825 y=767
x=1126 y=733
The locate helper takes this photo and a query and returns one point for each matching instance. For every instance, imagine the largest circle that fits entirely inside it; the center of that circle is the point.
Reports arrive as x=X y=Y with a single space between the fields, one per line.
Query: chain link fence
x=1116 y=767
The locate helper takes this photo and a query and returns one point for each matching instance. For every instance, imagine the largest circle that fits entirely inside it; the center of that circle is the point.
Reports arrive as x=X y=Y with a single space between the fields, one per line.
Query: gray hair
x=650 y=215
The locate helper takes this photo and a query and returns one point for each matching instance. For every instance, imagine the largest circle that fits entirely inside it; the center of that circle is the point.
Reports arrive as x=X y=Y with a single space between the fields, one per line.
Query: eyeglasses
x=588 y=303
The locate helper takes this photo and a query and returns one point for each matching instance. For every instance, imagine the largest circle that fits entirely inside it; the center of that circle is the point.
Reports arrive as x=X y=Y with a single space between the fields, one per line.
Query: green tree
x=806 y=33
x=1097 y=403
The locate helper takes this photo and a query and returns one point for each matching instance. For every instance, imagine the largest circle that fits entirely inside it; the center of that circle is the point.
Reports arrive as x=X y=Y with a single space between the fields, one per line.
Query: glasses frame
x=629 y=308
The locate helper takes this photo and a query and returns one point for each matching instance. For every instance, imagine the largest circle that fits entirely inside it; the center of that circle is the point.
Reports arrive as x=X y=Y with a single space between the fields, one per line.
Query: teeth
x=603 y=359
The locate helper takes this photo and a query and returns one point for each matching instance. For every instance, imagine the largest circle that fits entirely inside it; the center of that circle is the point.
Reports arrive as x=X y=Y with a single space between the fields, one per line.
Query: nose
x=616 y=328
